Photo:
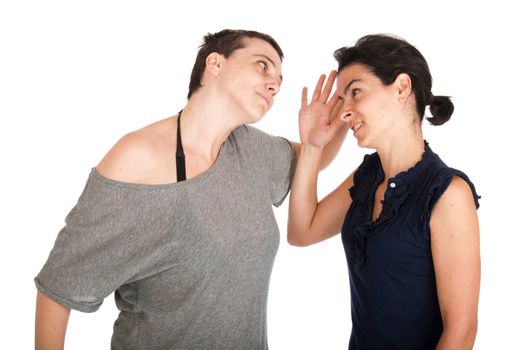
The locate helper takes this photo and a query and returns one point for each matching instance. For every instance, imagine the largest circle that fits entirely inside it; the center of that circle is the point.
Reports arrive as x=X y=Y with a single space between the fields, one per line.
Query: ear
x=214 y=63
x=403 y=82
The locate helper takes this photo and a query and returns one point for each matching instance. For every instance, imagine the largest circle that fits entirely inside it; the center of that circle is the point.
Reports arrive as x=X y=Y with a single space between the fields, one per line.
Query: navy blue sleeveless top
x=394 y=302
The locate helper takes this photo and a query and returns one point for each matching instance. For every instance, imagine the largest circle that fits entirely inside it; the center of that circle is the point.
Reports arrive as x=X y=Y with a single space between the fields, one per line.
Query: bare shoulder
x=458 y=193
x=455 y=209
x=142 y=156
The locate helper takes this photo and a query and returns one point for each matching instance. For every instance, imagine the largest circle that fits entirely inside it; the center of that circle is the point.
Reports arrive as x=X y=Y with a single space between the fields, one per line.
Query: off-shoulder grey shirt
x=189 y=262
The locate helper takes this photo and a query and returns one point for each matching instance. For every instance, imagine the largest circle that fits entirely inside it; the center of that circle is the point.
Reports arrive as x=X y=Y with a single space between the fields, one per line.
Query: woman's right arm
x=51 y=321
x=311 y=221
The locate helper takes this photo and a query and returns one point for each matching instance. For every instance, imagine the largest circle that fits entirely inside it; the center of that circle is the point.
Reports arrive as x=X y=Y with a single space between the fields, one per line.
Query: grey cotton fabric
x=189 y=262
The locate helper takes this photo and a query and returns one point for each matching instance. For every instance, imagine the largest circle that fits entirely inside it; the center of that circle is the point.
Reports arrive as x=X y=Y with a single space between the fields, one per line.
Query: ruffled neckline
x=397 y=191
x=407 y=177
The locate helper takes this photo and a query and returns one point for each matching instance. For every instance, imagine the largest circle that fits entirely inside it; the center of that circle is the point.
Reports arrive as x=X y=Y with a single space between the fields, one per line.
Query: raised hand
x=315 y=124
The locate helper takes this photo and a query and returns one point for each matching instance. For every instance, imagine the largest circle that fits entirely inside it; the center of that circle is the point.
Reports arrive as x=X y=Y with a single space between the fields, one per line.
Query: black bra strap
x=180 y=155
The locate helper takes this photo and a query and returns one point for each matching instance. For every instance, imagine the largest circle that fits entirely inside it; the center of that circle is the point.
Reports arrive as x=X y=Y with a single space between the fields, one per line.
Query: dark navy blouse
x=394 y=302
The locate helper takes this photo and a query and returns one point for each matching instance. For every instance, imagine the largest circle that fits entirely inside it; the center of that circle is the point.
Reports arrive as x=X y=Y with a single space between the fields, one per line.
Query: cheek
x=376 y=106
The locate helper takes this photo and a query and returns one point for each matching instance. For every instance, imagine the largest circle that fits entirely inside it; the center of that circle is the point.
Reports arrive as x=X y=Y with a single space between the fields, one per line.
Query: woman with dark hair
x=408 y=221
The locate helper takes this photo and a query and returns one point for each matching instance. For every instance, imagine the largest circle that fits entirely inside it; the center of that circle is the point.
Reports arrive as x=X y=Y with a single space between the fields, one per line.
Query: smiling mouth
x=355 y=127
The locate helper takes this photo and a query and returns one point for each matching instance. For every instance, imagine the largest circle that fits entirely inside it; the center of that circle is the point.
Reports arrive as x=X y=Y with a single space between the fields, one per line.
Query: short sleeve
x=438 y=187
x=282 y=166
x=279 y=156
x=102 y=246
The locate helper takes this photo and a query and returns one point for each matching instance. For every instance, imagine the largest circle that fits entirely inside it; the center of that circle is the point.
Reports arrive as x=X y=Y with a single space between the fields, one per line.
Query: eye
x=354 y=92
x=262 y=65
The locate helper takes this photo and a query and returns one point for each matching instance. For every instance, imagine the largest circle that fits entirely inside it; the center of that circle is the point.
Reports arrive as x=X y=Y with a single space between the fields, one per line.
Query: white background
x=76 y=76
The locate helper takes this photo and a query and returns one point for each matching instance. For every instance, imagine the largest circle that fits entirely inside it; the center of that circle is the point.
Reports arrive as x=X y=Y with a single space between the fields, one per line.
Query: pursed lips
x=268 y=100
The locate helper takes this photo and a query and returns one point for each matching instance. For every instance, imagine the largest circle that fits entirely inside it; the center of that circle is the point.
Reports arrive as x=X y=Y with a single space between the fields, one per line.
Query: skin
x=235 y=91
x=384 y=118
x=51 y=320
x=455 y=250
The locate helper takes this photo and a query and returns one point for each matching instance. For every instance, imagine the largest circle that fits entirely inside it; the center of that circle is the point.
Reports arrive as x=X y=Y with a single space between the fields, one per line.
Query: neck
x=401 y=152
x=205 y=126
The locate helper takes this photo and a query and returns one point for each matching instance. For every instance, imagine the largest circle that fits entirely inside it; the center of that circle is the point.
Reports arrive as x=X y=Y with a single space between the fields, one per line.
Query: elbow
x=297 y=240
x=471 y=331
x=468 y=332
x=464 y=331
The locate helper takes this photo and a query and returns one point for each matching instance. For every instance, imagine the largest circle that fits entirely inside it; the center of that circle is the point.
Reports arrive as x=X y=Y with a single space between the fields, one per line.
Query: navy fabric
x=393 y=291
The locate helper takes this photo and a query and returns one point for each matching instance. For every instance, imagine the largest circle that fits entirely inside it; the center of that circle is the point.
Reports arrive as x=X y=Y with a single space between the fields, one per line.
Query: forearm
x=458 y=337
x=303 y=199
x=51 y=321
x=333 y=147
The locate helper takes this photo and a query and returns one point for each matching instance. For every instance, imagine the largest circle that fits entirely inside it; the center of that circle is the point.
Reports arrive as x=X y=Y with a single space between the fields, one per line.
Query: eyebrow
x=272 y=62
x=348 y=85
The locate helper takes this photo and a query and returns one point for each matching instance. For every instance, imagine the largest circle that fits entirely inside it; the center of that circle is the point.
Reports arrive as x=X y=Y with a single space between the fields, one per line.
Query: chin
x=360 y=143
x=256 y=115
x=254 y=118
x=364 y=144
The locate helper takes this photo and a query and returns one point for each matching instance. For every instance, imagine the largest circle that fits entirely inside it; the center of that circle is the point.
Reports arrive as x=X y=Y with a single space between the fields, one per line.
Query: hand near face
x=315 y=123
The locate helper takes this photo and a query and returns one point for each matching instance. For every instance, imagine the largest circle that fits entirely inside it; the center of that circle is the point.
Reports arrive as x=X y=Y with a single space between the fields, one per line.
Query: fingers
x=304 y=97
x=316 y=92
x=329 y=86
x=323 y=90
x=334 y=103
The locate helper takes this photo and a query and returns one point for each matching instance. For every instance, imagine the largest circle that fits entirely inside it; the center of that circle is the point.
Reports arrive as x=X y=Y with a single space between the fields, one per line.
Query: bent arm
x=51 y=321
x=455 y=250
x=309 y=221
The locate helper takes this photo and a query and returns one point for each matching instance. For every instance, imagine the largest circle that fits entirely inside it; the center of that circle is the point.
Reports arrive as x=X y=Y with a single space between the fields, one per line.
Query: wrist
x=311 y=151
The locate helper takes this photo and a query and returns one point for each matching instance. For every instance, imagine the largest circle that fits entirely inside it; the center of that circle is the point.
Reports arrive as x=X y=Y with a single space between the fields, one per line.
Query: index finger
x=303 y=102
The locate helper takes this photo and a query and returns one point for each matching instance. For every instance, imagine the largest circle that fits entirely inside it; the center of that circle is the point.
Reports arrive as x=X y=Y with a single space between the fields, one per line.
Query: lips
x=355 y=127
x=268 y=100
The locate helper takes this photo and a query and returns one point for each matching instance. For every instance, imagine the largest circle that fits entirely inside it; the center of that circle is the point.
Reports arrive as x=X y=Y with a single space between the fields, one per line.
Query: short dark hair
x=224 y=42
x=388 y=56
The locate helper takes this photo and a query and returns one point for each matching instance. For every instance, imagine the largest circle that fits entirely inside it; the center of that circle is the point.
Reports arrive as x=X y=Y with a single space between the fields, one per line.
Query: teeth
x=357 y=126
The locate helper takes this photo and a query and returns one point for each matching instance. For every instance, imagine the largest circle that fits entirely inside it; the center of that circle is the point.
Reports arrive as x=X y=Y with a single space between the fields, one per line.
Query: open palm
x=316 y=126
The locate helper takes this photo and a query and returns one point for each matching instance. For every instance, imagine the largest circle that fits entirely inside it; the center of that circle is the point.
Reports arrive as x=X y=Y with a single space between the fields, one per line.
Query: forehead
x=350 y=74
x=258 y=47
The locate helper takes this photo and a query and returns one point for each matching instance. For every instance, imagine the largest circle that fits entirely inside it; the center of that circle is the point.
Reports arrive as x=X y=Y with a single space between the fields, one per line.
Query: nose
x=346 y=112
x=273 y=86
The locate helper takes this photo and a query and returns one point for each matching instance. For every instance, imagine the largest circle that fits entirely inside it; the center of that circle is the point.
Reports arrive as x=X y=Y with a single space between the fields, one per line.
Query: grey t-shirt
x=189 y=262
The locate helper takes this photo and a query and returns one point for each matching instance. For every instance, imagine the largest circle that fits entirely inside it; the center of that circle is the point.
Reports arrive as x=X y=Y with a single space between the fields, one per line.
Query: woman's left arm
x=455 y=250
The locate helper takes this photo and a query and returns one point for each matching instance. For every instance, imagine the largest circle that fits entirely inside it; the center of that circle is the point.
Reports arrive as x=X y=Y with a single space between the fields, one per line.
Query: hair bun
x=441 y=108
